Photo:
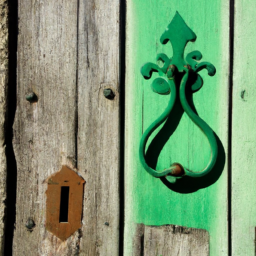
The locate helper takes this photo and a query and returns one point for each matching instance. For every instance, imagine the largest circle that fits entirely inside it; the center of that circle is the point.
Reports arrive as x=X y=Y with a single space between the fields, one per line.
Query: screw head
x=31 y=97
x=108 y=93
x=30 y=224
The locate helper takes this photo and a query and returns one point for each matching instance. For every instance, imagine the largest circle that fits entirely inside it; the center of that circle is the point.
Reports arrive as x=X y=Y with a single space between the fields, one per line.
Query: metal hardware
x=109 y=94
x=64 y=202
x=31 y=97
x=179 y=34
x=30 y=224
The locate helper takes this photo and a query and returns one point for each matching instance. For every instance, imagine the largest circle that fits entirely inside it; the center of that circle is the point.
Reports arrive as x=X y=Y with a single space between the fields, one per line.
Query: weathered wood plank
x=200 y=203
x=243 y=131
x=4 y=34
x=98 y=125
x=138 y=240
x=45 y=131
x=170 y=240
x=68 y=73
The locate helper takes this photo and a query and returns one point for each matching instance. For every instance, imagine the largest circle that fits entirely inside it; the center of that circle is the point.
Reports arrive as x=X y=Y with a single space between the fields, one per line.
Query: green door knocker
x=179 y=34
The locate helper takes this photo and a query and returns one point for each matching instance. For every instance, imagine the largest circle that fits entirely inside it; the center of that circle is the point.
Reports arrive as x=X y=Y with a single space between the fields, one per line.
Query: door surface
x=243 y=175
x=73 y=98
x=66 y=57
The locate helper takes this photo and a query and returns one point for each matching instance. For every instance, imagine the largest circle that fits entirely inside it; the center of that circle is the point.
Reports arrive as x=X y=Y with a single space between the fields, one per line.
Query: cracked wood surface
x=170 y=240
x=98 y=124
x=68 y=51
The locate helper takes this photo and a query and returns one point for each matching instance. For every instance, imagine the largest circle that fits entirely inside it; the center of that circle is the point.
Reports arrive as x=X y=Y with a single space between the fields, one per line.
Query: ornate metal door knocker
x=179 y=34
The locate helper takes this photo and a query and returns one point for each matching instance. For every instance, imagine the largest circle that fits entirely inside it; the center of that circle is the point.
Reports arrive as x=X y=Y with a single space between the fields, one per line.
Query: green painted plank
x=243 y=132
x=148 y=200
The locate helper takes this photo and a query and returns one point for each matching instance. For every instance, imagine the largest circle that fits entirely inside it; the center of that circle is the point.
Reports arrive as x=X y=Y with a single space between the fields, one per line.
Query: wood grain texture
x=199 y=203
x=44 y=132
x=98 y=125
x=68 y=51
x=3 y=110
x=170 y=240
x=243 y=131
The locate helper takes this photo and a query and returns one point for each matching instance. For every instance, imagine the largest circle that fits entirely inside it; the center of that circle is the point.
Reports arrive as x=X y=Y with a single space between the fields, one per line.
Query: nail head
x=109 y=94
x=31 y=97
x=30 y=224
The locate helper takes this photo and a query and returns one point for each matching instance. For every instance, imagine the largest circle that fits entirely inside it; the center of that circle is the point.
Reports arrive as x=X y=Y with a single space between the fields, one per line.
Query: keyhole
x=64 y=198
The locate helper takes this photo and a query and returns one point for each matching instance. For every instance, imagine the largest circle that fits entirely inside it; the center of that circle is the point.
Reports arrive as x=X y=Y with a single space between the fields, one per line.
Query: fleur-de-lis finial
x=179 y=34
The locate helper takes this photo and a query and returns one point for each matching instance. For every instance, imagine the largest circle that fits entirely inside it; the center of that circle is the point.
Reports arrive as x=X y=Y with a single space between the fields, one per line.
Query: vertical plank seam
x=122 y=61
x=11 y=179
x=76 y=118
x=230 y=106
x=76 y=106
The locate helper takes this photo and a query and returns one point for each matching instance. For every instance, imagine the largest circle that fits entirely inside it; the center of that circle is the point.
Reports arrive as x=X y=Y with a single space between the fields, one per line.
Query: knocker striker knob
x=177 y=170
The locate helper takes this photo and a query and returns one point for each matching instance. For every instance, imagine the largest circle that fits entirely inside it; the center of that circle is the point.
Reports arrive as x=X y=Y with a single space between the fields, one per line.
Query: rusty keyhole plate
x=64 y=202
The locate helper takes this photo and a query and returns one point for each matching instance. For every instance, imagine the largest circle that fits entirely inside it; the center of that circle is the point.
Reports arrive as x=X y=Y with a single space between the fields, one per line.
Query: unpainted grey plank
x=169 y=240
x=138 y=240
x=99 y=125
x=44 y=132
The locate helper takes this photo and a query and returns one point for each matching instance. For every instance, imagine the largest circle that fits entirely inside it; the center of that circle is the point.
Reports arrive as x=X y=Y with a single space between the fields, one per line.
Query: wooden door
x=73 y=97
x=65 y=59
